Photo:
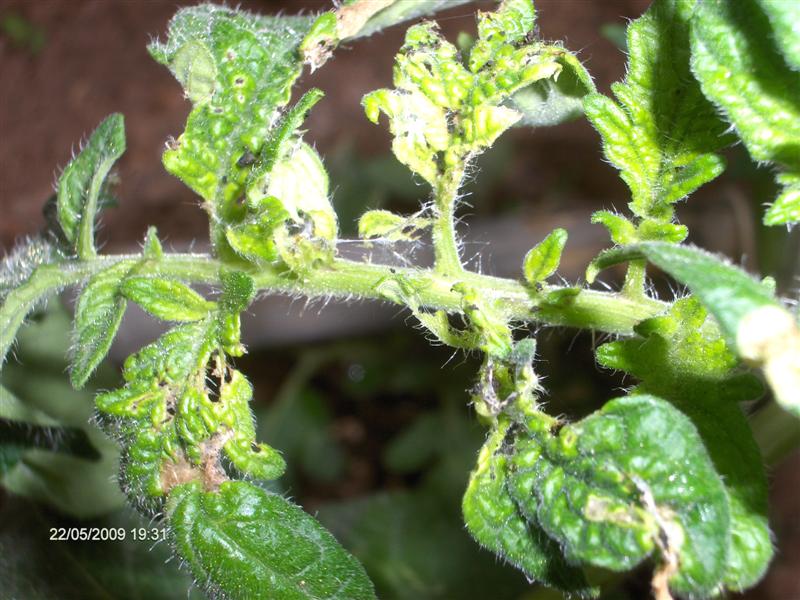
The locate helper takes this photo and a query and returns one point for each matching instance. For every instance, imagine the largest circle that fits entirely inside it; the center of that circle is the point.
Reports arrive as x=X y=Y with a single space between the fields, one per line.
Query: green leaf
x=288 y=184
x=237 y=68
x=81 y=183
x=238 y=290
x=621 y=229
x=300 y=182
x=233 y=411
x=543 y=259
x=494 y=520
x=166 y=408
x=784 y=16
x=740 y=68
x=443 y=111
x=639 y=482
x=185 y=410
x=253 y=238
x=661 y=132
x=553 y=101
x=786 y=208
x=98 y=313
x=754 y=322
x=167 y=299
x=249 y=543
x=681 y=357
x=151 y=249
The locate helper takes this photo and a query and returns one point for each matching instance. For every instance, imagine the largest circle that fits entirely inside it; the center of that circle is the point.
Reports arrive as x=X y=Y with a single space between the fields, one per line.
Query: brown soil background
x=94 y=62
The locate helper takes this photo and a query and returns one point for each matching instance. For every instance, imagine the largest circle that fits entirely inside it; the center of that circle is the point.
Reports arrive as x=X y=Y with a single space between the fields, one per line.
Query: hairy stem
x=445 y=243
x=589 y=309
x=635 y=279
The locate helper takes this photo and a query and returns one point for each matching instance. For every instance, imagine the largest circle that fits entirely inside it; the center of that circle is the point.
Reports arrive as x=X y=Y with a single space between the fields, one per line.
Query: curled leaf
x=631 y=480
x=81 y=183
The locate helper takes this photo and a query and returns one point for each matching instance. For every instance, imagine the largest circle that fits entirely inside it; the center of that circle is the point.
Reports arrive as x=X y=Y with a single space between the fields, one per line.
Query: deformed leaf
x=167 y=299
x=238 y=69
x=444 y=111
x=98 y=313
x=300 y=182
x=81 y=183
x=250 y=543
x=233 y=411
x=390 y=226
x=682 y=358
x=638 y=482
x=553 y=101
x=494 y=520
x=253 y=238
x=165 y=405
x=543 y=259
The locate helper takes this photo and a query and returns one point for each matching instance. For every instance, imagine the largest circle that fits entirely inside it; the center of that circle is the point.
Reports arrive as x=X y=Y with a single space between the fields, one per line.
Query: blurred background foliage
x=375 y=427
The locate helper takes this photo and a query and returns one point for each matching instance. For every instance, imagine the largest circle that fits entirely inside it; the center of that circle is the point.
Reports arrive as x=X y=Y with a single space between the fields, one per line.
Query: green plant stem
x=635 y=279
x=445 y=243
x=603 y=311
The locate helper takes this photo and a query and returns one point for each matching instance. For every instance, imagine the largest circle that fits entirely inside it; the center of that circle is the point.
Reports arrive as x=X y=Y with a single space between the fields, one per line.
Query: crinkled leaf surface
x=660 y=132
x=250 y=543
x=630 y=480
x=495 y=521
x=682 y=357
x=237 y=69
x=434 y=92
x=288 y=185
x=737 y=57
x=174 y=421
x=81 y=183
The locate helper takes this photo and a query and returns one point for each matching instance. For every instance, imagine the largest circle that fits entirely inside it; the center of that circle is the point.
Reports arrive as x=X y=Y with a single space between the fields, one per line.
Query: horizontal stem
x=589 y=309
